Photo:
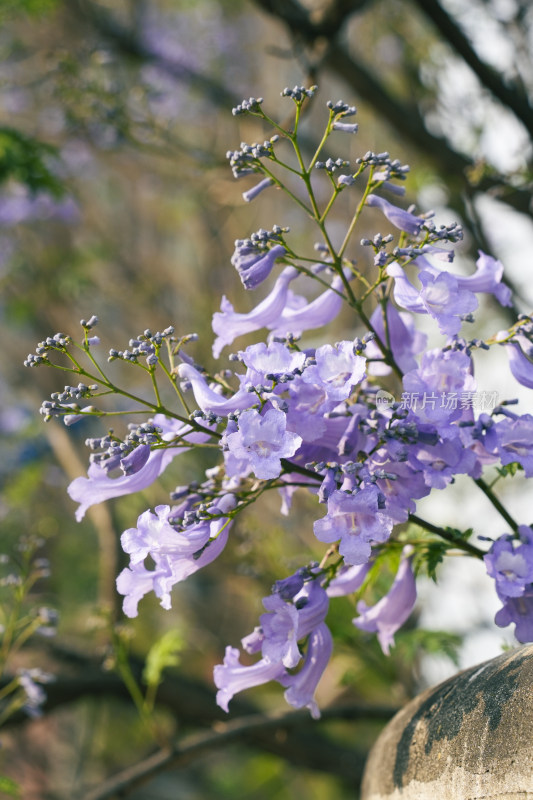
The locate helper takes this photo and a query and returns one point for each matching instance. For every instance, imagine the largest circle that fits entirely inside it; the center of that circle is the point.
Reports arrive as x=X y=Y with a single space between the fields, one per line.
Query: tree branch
x=405 y=118
x=301 y=743
x=510 y=96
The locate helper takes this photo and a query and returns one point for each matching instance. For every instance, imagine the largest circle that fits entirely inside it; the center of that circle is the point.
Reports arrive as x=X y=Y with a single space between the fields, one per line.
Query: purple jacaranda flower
x=136 y=581
x=346 y=127
x=436 y=389
x=514 y=441
x=232 y=676
x=337 y=370
x=280 y=631
x=401 y=485
x=520 y=362
x=256 y=190
x=263 y=441
x=356 y=521
x=135 y=460
x=440 y=297
x=443 y=460
x=287 y=588
x=210 y=400
x=272 y=359
x=390 y=613
x=228 y=324
x=348 y=580
x=30 y=681
x=487 y=277
x=99 y=486
x=302 y=316
x=302 y=685
x=518 y=610
x=401 y=219
x=511 y=566
x=254 y=264
x=176 y=554
x=405 y=341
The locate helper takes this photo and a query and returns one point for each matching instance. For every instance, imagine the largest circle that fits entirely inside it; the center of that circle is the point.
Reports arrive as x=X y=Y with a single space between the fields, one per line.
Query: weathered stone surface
x=470 y=738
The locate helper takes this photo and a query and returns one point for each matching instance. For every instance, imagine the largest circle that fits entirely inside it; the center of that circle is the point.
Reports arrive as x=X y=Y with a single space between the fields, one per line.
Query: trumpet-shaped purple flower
x=256 y=190
x=208 y=399
x=272 y=359
x=348 y=580
x=337 y=370
x=518 y=610
x=262 y=441
x=288 y=622
x=98 y=486
x=441 y=461
x=510 y=566
x=487 y=277
x=136 y=581
x=403 y=220
x=356 y=520
x=302 y=316
x=232 y=677
x=514 y=439
x=436 y=387
x=440 y=297
x=176 y=554
x=390 y=613
x=254 y=264
x=520 y=363
x=302 y=685
x=228 y=324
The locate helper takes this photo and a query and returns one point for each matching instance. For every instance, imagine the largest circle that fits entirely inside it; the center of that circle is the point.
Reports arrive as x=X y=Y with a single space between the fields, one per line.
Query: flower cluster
x=293 y=416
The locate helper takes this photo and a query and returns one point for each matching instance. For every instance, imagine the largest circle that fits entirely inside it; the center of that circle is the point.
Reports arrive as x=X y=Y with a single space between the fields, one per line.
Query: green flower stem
x=369 y=187
x=449 y=537
x=487 y=491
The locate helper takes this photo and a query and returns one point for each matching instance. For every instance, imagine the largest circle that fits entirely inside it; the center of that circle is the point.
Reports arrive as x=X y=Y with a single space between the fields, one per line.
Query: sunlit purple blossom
x=254 y=264
x=307 y=316
x=390 y=613
x=136 y=581
x=403 y=220
x=514 y=439
x=486 y=279
x=232 y=677
x=355 y=520
x=210 y=400
x=520 y=363
x=176 y=554
x=348 y=580
x=302 y=685
x=337 y=370
x=436 y=387
x=442 y=461
x=256 y=190
x=272 y=359
x=511 y=566
x=263 y=441
x=98 y=486
x=228 y=324
x=518 y=610
x=440 y=297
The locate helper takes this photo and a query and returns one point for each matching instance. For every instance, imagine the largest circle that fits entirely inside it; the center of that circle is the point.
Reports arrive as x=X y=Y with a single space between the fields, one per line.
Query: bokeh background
x=116 y=199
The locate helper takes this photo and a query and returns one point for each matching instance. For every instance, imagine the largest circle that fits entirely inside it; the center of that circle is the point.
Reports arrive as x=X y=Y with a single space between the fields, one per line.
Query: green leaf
x=24 y=159
x=440 y=643
x=9 y=787
x=164 y=653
